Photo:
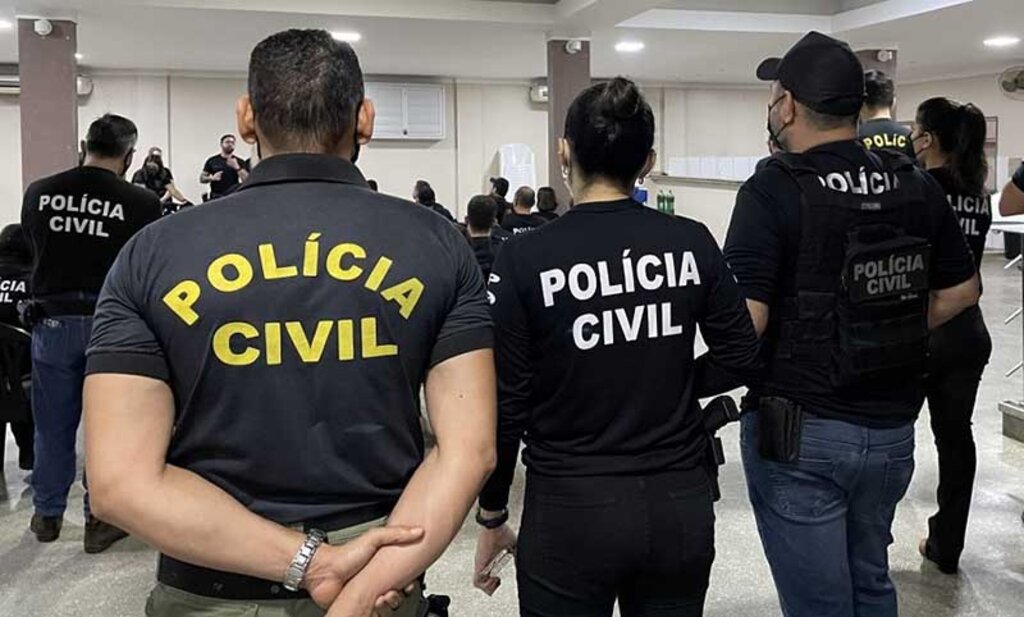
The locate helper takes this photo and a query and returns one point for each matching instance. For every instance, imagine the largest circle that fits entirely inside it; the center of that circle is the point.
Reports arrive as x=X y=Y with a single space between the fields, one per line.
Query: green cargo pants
x=167 y=601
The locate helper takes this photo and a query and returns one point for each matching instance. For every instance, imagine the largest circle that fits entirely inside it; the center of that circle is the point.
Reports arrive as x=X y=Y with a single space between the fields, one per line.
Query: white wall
x=10 y=161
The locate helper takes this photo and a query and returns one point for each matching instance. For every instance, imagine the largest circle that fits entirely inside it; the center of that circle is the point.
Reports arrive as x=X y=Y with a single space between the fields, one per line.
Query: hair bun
x=620 y=100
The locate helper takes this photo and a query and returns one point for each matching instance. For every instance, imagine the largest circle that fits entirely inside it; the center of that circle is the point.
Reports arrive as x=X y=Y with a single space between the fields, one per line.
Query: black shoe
x=26 y=459
x=46 y=528
x=100 y=536
x=926 y=552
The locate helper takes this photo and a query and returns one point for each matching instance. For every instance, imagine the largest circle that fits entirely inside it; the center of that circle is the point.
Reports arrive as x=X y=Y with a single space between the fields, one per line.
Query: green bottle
x=661 y=200
x=670 y=203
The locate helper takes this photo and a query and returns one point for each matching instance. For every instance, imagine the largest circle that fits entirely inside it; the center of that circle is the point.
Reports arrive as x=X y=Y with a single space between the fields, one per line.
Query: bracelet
x=300 y=563
x=491 y=523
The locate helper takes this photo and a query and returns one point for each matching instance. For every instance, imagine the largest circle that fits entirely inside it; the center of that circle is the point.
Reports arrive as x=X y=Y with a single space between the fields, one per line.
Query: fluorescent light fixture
x=5 y=25
x=629 y=47
x=79 y=57
x=347 y=37
x=1002 y=41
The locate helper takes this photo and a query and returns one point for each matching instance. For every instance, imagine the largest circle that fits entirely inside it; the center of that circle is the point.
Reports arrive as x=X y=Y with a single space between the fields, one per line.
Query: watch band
x=300 y=563
x=492 y=523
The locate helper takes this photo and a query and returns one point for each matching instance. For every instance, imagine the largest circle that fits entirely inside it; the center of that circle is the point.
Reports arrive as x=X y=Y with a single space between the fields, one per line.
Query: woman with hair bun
x=595 y=316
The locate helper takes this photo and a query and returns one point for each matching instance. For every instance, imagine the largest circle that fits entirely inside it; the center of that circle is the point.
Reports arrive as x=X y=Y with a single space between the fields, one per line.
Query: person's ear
x=246 y=119
x=564 y=153
x=787 y=113
x=652 y=160
x=365 y=122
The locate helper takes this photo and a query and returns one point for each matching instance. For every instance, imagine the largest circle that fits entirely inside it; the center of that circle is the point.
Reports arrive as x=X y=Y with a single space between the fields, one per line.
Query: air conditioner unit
x=1011 y=82
x=539 y=93
x=10 y=85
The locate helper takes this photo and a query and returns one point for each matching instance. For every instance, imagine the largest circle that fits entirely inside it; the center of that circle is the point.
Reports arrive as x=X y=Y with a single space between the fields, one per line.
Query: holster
x=780 y=426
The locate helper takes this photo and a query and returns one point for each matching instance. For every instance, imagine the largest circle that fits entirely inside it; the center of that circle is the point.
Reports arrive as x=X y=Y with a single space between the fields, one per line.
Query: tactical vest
x=861 y=303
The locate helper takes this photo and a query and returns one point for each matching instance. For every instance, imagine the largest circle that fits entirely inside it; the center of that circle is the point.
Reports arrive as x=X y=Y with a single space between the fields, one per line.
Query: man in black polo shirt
x=484 y=235
x=499 y=191
x=258 y=389
x=1012 y=201
x=75 y=222
x=522 y=220
x=846 y=258
x=224 y=171
x=877 y=128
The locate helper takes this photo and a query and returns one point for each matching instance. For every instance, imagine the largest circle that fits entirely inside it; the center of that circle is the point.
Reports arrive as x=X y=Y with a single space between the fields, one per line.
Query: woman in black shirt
x=949 y=141
x=595 y=319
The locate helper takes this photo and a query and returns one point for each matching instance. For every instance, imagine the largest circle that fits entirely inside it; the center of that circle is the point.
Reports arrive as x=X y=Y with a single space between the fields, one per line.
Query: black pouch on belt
x=779 y=429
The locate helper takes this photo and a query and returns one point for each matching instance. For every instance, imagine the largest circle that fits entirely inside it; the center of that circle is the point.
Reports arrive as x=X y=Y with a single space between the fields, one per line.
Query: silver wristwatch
x=297 y=571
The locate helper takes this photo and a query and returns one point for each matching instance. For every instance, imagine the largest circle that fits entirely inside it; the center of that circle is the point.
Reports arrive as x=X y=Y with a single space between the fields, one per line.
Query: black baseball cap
x=500 y=185
x=823 y=73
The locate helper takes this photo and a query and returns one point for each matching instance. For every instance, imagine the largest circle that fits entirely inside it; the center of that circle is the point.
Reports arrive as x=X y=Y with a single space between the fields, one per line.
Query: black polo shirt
x=157 y=181
x=295 y=327
x=76 y=222
x=516 y=223
x=974 y=211
x=885 y=134
x=1018 y=177
x=217 y=163
x=595 y=343
x=762 y=249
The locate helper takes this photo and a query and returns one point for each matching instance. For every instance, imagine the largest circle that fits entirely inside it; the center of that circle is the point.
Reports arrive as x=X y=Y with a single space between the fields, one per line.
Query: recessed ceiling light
x=5 y=25
x=347 y=37
x=79 y=57
x=629 y=47
x=1002 y=41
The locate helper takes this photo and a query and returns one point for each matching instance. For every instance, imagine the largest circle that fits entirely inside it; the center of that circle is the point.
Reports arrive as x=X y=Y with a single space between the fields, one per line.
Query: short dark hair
x=482 y=212
x=13 y=242
x=525 y=197
x=547 y=200
x=828 y=122
x=610 y=127
x=373 y=185
x=305 y=88
x=879 y=88
x=500 y=186
x=424 y=193
x=111 y=136
x=229 y=135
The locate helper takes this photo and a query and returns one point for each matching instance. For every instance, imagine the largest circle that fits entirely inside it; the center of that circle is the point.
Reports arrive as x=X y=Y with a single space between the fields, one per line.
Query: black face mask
x=127 y=162
x=356 y=146
x=775 y=137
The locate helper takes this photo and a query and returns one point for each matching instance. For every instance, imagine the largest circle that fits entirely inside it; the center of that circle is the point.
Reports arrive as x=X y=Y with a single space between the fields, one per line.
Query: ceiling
x=696 y=41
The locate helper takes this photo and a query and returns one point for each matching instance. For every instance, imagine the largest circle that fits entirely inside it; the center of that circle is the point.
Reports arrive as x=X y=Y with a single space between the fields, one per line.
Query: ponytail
x=961 y=131
x=967 y=159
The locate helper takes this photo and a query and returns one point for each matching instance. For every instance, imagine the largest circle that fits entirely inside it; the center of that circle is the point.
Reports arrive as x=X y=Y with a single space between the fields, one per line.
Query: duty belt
x=229 y=586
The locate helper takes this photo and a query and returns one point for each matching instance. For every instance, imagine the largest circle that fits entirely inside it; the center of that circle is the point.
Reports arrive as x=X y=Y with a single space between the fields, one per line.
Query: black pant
x=24 y=437
x=959 y=352
x=647 y=541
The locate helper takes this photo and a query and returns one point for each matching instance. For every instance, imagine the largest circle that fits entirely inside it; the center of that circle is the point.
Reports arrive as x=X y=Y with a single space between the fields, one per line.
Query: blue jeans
x=825 y=521
x=58 y=370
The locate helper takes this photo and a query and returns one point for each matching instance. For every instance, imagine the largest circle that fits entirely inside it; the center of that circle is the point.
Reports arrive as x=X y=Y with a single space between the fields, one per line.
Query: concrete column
x=568 y=75
x=48 y=101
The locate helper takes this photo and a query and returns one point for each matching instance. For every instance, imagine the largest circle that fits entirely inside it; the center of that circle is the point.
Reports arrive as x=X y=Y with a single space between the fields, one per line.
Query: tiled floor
x=59 y=579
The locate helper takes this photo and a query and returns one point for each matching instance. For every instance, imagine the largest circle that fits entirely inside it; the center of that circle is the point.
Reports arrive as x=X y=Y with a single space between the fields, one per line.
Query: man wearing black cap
x=847 y=258
x=499 y=191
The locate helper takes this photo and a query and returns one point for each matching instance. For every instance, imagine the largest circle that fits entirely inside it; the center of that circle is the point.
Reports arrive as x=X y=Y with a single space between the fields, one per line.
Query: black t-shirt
x=295 y=328
x=973 y=211
x=486 y=251
x=762 y=248
x=548 y=216
x=595 y=342
x=15 y=273
x=516 y=223
x=155 y=181
x=76 y=222
x=503 y=207
x=217 y=163
x=445 y=213
x=1018 y=177
x=885 y=134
